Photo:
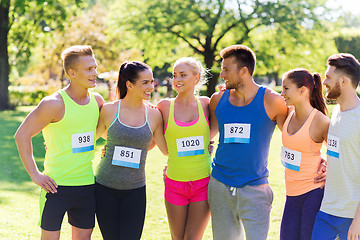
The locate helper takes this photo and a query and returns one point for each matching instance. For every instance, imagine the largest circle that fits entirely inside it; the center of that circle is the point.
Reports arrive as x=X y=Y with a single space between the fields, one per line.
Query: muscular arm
x=275 y=107
x=156 y=122
x=100 y=131
x=50 y=109
x=214 y=100
x=318 y=133
x=354 y=230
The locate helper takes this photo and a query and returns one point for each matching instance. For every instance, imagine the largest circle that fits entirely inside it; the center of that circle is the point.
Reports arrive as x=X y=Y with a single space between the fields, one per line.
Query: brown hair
x=302 y=77
x=129 y=71
x=347 y=64
x=71 y=54
x=245 y=57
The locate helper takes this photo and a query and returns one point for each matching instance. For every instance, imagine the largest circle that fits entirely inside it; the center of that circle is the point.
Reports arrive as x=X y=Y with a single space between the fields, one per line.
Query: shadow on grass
x=12 y=169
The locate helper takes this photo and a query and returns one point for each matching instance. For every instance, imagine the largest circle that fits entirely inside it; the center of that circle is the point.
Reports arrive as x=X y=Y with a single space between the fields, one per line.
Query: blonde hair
x=197 y=69
x=71 y=54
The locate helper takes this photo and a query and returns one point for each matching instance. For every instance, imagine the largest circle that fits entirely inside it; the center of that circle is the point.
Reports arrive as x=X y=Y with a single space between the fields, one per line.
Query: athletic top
x=245 y=133
x=300 y=156
x=70 y=143
x=342 y=189
x=189 y=157
x=123 y=166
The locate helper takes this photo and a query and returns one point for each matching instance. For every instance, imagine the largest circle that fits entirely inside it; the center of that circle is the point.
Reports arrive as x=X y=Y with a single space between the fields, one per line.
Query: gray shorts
x=236 y=209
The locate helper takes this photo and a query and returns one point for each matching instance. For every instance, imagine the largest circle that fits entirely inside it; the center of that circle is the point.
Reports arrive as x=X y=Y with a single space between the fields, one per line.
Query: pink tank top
x=300 y=179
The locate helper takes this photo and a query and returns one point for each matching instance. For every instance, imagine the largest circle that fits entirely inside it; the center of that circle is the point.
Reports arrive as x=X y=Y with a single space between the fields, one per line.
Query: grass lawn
x=19 y=197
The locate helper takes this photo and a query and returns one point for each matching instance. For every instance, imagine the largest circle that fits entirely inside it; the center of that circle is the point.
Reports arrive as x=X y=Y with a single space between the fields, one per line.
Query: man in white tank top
x=340 y=210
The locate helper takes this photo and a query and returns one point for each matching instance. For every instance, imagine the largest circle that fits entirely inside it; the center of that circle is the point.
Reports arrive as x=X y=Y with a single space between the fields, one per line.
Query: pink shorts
x=182 y=193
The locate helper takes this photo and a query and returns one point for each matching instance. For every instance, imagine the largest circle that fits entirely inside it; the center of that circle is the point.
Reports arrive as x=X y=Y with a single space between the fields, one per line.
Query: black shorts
x=77 y=201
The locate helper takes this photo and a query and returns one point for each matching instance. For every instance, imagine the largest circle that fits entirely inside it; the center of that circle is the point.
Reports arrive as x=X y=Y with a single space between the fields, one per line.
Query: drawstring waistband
x=233 y=190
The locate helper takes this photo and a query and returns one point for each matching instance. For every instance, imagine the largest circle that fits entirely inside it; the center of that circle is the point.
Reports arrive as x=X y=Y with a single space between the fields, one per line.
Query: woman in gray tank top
x=120 y=175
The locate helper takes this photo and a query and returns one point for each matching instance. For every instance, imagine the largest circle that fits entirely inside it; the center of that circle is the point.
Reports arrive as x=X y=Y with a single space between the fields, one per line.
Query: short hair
x=197 y=68
x=245 y=57
x=348 y=65
x=71 y=54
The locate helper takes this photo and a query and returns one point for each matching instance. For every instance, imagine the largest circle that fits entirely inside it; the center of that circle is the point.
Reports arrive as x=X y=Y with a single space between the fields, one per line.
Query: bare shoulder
x=204 y=100
x=215 y=98
x=319 y=127
x=164 y=104
x=99 y=99
x=109 y=106
x=271 y=95
x=50 y=109
x=274 y=100
x=154 y=114
x=321 y=120
x=53 y=102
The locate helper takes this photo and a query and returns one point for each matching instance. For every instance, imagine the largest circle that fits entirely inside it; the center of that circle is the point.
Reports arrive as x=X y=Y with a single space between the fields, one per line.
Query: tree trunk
x=209 y=58
x=4 y=57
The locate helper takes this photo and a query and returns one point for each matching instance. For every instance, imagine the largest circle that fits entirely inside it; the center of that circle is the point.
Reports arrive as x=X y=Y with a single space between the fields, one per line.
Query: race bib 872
x=237 y=133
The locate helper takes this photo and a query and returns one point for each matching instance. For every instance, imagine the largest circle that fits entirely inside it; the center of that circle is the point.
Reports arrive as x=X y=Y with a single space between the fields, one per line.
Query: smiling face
x=84 y=72
x=230 y=72
x=144 y=84
x=184 y=78
x=332 y=83
x=290 y=92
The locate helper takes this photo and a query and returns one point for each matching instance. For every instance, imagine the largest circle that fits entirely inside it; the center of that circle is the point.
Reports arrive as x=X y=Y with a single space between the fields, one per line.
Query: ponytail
x=316 y=95
x=302 y=77
x=121 y=86
x=129 y=72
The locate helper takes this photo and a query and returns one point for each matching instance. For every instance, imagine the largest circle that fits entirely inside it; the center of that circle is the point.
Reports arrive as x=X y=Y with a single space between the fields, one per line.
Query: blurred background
x=284 y=34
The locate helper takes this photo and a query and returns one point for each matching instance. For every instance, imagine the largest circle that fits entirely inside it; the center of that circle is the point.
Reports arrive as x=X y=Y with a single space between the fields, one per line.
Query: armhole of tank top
x=261 y=93
x=171 y=114
x=117 y=114
x=202 y=112
x=224 y=97
x=63 y=99
x=147 y=118
x=286 y=123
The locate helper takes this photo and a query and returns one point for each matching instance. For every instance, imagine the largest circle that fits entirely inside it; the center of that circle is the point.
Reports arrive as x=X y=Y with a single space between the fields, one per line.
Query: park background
x=284 y=34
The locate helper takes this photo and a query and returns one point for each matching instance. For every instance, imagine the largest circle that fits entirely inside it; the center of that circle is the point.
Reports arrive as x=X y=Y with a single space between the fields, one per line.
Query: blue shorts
x=327 y=227
x=77 y=201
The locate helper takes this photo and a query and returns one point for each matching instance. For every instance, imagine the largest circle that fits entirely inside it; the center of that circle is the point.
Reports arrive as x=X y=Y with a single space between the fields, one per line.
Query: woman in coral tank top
x=304 y=131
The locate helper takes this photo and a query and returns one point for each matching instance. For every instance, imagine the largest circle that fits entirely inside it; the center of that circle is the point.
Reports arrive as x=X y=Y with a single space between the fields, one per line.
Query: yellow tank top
x=70 y=143
x=189 y=157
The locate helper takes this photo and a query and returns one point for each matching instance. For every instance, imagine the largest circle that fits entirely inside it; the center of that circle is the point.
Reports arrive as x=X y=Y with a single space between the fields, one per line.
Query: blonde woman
x=187 y=133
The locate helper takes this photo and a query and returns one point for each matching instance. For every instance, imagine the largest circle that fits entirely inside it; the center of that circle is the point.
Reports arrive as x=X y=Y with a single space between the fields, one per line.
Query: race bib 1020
x=190 y=146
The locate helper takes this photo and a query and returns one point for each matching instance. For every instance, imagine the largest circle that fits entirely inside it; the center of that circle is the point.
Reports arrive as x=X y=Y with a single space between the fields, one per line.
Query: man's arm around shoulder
x=214 y=100
x=275 y=107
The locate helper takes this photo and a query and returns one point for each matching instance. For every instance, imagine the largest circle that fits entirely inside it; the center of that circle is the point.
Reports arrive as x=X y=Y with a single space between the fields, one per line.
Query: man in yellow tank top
x=68 y=119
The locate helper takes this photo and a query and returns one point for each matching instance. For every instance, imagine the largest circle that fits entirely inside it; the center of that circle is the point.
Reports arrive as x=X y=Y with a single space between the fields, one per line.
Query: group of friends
x=233 y=187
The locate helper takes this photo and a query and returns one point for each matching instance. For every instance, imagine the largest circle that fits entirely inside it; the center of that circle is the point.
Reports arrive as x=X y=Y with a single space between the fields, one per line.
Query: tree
x=348 y=41
x=20 y=22
x=279 y=51
x=204 y=24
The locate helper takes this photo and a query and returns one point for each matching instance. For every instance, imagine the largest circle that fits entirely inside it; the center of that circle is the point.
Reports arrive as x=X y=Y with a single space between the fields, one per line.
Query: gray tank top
x=123 y=166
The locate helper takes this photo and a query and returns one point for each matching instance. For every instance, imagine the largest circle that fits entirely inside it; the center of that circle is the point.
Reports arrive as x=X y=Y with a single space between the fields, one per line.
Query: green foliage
x=165 y=28
x=348 y=41
x=278 y=50
x=31 y=23
x=26 y=98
